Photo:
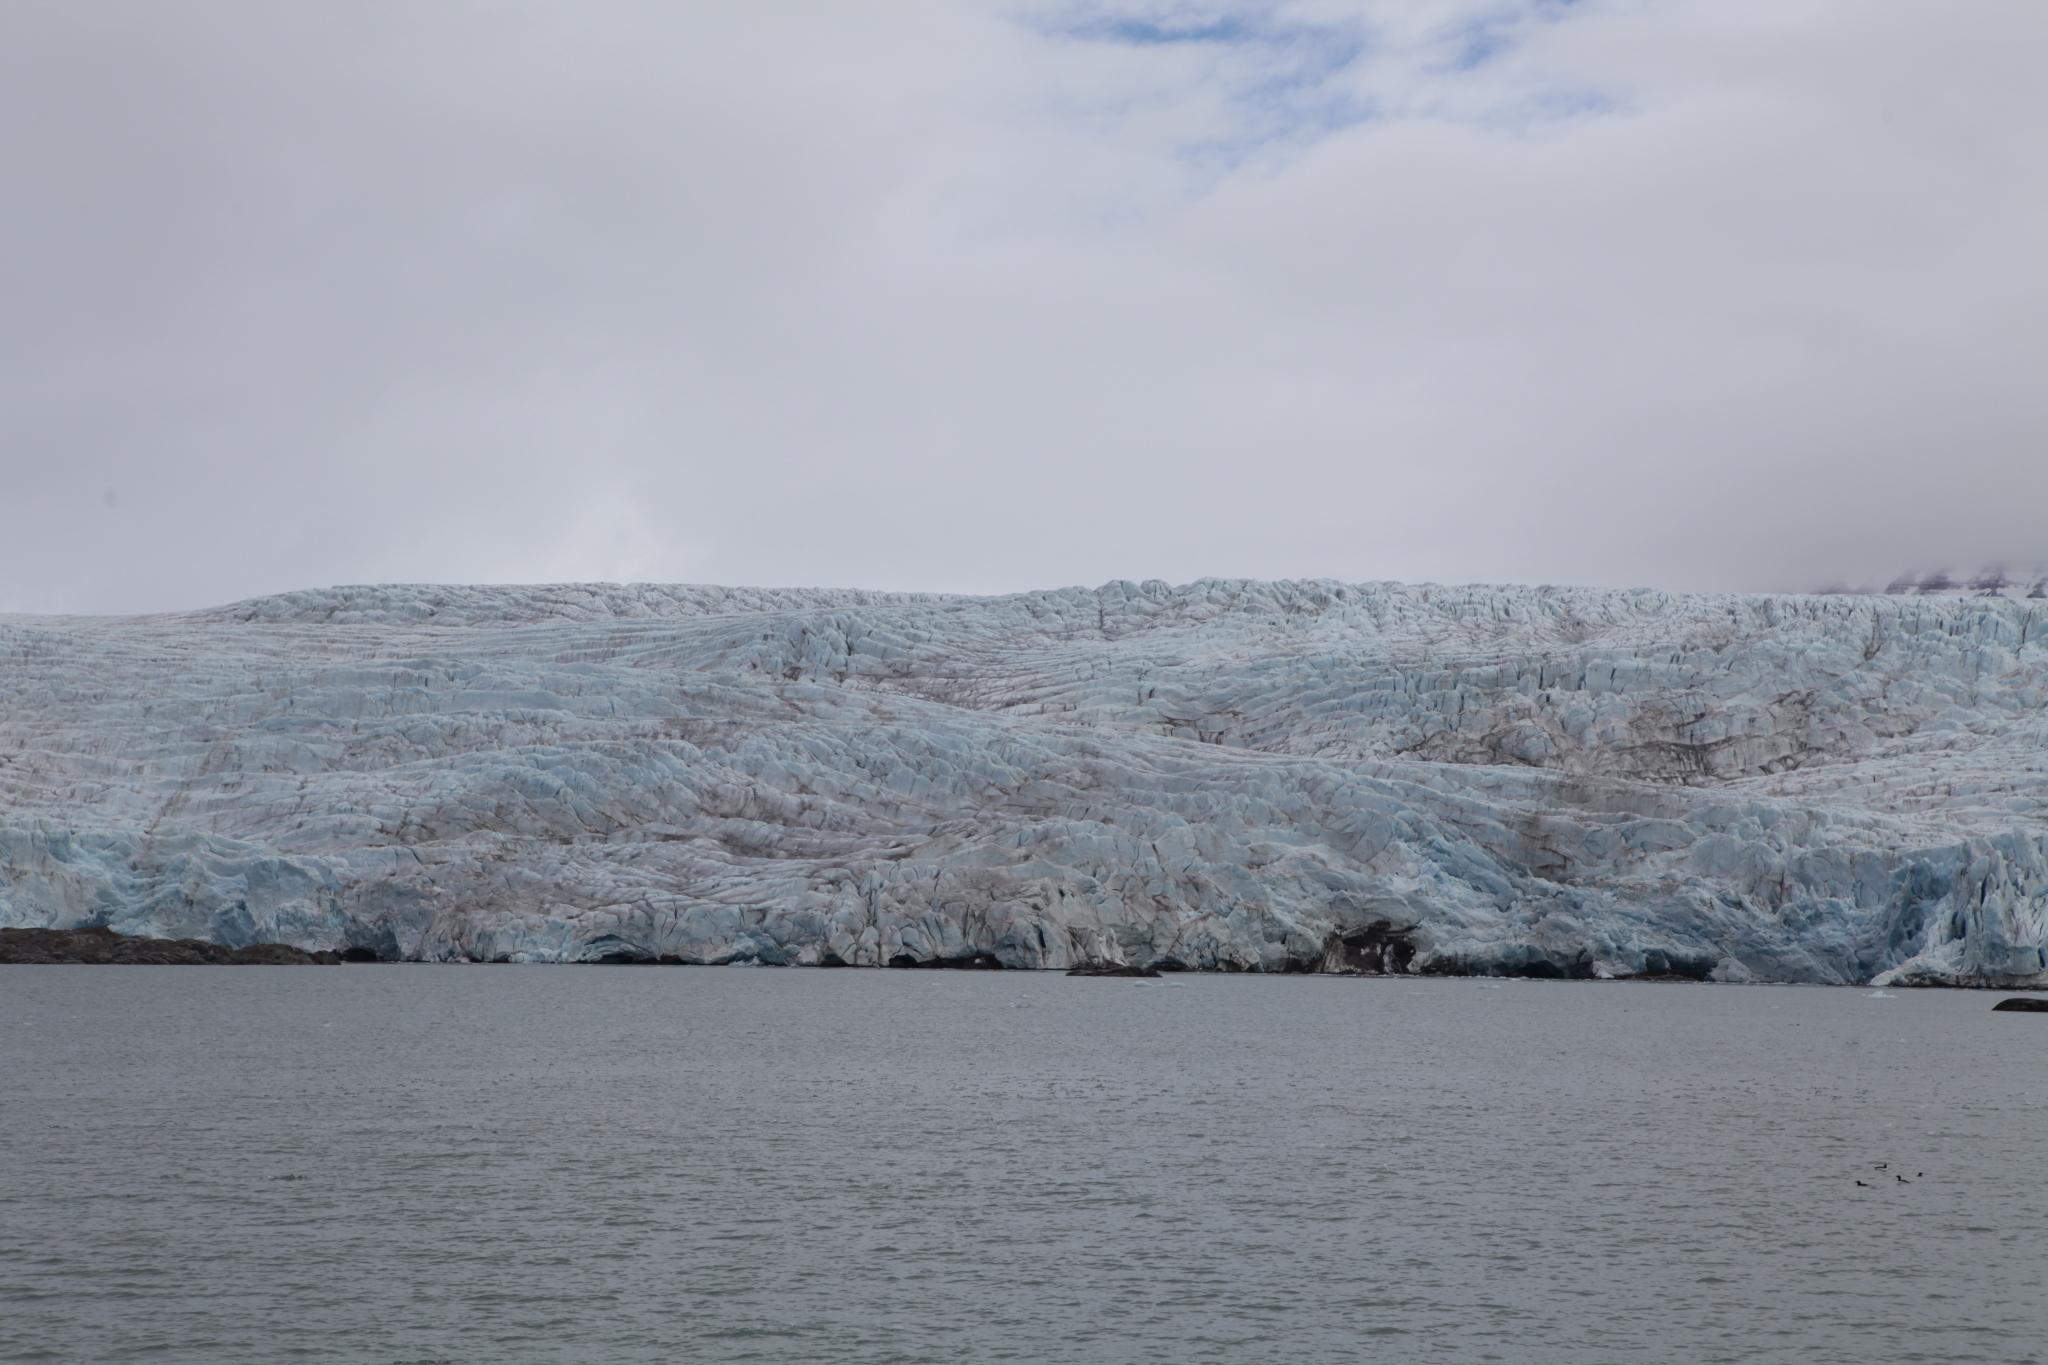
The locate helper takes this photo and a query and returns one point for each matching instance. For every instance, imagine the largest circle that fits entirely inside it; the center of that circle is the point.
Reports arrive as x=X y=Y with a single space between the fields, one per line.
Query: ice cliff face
x=1227 y=775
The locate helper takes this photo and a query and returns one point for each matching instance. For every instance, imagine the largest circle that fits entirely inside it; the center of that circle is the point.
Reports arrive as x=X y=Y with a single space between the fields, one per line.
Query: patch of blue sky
x=1486 y=39
x=1496 y=31
x=1480 y=43
x=1288 y=79
x=1144 y=32
x=1279 y=78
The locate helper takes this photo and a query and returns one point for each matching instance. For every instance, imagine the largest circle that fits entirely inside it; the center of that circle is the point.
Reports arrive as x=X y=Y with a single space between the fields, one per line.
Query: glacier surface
x=1227 y=775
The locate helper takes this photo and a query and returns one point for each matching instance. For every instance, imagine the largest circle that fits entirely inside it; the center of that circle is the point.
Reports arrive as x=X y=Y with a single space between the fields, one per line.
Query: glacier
x=1227 y=775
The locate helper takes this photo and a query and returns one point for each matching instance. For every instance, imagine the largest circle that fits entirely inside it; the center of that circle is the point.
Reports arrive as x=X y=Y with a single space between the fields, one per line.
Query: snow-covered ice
x=1229 y=775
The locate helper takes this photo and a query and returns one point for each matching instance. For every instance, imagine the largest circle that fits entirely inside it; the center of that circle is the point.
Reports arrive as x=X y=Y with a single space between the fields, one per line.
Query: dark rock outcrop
x=1379 y=949
x=966 y=962
x=101 y=947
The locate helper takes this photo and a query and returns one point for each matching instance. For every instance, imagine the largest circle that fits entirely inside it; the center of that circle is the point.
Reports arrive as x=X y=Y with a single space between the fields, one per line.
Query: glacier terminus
x=1223 y=776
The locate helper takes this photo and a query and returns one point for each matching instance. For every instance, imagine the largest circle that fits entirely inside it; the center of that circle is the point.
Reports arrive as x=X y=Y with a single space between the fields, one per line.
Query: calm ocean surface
x=589 y=1164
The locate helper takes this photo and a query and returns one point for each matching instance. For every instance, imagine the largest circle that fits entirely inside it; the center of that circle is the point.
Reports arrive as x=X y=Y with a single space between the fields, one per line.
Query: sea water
x=411 y=1163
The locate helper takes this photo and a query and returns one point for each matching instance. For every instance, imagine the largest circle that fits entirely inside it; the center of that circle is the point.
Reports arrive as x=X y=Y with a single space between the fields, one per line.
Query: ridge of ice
x=1227 y=774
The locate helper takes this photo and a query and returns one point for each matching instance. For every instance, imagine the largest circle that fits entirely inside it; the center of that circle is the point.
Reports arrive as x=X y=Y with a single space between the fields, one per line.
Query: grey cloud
x=926 y=296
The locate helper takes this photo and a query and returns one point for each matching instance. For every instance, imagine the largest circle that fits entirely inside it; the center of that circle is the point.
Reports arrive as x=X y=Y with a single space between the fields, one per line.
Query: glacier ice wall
x=1226 y=775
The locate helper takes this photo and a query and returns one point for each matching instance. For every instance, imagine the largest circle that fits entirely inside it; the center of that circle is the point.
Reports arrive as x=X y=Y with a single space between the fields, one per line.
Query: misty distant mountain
x=1938 y=583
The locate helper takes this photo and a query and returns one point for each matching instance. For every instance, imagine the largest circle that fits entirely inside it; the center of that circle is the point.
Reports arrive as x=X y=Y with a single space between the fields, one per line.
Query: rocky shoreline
x=101 y=946
x=104 y=947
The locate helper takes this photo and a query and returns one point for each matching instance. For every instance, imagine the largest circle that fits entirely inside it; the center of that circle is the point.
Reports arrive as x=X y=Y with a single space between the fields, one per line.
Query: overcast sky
x=987 y=297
